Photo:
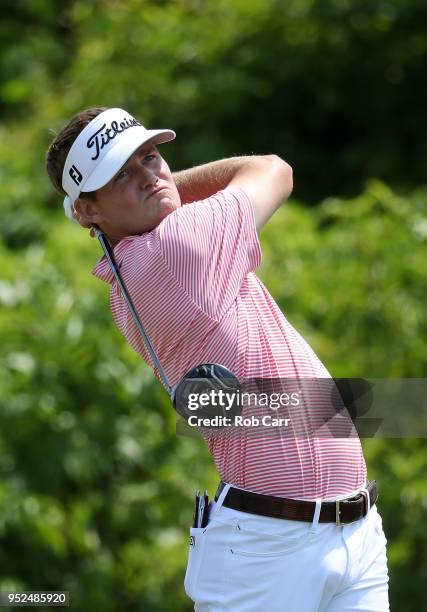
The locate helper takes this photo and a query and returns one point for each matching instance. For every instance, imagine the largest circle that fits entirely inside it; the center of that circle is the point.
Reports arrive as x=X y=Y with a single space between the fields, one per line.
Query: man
x=294 y=525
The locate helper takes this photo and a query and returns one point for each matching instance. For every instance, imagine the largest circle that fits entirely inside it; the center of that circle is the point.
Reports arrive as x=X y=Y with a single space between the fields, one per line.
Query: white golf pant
x=245 y=562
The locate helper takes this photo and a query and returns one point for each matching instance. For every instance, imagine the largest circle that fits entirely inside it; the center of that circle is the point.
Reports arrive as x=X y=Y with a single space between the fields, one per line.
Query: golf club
x=213 y=376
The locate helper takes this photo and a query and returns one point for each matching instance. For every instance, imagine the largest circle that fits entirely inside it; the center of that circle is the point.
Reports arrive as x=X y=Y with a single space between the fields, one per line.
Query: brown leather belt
x=339 y=512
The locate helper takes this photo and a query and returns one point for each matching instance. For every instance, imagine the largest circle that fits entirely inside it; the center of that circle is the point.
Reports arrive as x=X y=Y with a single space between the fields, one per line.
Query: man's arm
x=267 y=180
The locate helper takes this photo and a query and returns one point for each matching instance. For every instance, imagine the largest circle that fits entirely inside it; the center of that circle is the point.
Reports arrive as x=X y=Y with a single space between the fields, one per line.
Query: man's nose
x=147 y=178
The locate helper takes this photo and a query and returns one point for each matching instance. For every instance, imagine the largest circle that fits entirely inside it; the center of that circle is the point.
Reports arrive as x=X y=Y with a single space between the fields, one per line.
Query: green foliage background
x=95 y=486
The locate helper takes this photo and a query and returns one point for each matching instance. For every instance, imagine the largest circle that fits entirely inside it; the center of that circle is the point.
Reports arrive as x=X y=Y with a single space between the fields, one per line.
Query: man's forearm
x=202 y=181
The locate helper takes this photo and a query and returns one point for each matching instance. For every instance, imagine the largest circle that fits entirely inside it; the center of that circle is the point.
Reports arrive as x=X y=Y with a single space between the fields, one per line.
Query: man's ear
x=86 y=212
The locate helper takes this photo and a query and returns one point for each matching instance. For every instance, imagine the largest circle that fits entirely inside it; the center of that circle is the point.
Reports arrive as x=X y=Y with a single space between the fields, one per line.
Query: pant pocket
x=267 y=540
x=195 y=553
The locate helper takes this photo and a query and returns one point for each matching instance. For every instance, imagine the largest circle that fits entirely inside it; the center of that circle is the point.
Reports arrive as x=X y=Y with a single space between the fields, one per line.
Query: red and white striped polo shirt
x=193 y=284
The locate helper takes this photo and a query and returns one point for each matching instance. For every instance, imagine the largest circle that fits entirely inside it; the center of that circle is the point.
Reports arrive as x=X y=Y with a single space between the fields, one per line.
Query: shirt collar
x=102 y=269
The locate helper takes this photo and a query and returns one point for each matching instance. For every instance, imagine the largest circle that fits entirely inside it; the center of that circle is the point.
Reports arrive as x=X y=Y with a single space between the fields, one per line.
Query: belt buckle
x=338 y=522
x=337 y=514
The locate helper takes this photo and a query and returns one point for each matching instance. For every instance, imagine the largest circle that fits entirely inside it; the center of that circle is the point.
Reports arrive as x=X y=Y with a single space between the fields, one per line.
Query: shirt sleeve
x=210 y=247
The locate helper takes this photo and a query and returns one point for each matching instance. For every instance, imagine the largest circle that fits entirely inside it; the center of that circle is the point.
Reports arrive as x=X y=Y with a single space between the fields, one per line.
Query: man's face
x=137 y=198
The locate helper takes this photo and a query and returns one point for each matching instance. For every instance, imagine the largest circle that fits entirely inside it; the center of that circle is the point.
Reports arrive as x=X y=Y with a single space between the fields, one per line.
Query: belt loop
x=315 y=522
x=366 y=495
x=221 y=497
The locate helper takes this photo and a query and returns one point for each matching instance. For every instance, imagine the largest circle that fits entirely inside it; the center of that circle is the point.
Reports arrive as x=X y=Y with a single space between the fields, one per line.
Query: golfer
x=294 y=525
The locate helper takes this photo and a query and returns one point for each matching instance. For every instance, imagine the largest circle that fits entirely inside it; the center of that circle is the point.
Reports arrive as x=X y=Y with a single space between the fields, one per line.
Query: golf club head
x=208 y=390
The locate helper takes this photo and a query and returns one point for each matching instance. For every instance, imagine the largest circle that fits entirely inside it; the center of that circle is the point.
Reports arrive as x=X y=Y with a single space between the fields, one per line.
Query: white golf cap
x=101 y=149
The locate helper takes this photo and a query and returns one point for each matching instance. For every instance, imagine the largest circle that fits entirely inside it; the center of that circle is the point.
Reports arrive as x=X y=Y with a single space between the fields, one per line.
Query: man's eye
x=122 y=174
x=149 y=157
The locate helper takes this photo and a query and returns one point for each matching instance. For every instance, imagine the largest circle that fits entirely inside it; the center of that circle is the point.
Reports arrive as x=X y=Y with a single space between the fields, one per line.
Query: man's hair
x=60 y=146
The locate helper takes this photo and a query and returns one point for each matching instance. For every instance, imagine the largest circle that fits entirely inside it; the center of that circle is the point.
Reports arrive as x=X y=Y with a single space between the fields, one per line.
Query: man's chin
x=167 y=206
x=165 y=212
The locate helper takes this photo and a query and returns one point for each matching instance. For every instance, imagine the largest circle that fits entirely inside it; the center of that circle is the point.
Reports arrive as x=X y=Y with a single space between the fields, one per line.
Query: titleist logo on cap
x=104 y=135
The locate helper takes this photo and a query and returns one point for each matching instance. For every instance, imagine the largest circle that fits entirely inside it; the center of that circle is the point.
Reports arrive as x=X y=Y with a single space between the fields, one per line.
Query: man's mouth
x=156 y=191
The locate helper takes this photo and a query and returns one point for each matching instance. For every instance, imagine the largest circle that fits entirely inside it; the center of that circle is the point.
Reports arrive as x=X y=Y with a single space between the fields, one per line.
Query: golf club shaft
x=110 y=258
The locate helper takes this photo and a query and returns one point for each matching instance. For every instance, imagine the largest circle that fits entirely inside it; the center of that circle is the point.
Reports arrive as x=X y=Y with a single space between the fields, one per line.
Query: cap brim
x=119 y=154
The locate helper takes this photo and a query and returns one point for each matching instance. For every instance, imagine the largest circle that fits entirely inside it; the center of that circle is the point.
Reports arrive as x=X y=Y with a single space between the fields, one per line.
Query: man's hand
x=267 y=180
